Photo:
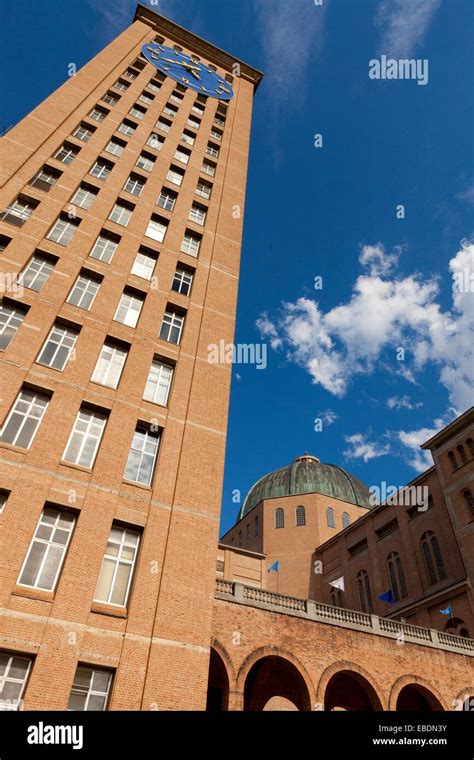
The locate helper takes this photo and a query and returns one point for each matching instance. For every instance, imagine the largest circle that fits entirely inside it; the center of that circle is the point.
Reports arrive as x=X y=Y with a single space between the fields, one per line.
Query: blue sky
x=333 y=353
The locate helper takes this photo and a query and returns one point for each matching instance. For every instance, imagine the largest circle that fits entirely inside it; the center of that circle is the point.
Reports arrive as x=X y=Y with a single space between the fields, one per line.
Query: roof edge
x=162 y=24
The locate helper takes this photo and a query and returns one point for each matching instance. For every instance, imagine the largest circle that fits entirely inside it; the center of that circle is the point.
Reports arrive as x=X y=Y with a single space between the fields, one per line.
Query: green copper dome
x=307 y=475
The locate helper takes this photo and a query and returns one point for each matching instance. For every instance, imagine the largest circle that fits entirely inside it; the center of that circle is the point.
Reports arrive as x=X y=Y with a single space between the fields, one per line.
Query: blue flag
x=447 y=611
x=387 y=596
x=274 y=568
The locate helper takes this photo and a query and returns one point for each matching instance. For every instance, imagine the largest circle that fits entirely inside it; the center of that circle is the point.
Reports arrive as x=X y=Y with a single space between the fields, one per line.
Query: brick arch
x=222 y=651
x=412 y=680
x=352 y=667
x=274 y=651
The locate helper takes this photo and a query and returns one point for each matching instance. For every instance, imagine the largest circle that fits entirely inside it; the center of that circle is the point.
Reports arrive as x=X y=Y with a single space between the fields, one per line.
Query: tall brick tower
x=121 y=215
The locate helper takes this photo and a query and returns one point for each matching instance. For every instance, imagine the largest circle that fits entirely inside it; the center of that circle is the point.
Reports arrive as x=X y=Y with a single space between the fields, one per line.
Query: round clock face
x=180 y=67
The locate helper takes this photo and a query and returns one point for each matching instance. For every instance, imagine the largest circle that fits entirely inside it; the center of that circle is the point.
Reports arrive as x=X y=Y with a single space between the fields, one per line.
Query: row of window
x=300 y=519
x=90 y=689
x=83 y=294
x=434 y=568
x=461 y=458
x=30 y=406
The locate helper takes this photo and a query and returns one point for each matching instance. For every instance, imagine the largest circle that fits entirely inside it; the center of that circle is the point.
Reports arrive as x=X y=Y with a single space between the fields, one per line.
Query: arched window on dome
x=240 y=538
x=434 y=564
x=346 y=519
x=470 y=446
x=330 y=519
x=365 y=596
x=279 y=518
x=462 y=454
x=397 y=576
x=300 y=515
x=469 y=501
x=453 y=460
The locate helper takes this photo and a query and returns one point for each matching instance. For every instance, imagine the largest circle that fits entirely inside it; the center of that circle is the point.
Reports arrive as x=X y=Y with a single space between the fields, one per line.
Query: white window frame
x=148 y=440
x=141 y=269
x=94 y=418
x=121 y=214
x=129 y=311
x=42 y=268
x=172 y=320
x=77 y=689
x=90 y=280
x=158 y=372
x=118 y=149
x=110 y=363
x=184 y=277
x=191 y=244
x=117 y=559
x=39 y=402
x=11 y=319
x=105 y=169
x=106 y=246
x=6 y=678
x=158 y=229
x=86 y=196
x=50 y=544
x=68 y=231
x=147 y=164
x=197 y=214
x=172 y=176
x=61 y=336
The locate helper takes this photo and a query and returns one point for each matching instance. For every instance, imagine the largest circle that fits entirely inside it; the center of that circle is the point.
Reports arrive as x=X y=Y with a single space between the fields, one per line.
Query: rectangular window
x=66 y=153
x=129 y=308
x=163 y=124
x=146 y=162
x=84 y=196
x=18 y=212
x=110 y=364
x=35 y=275
x=212 y=150
x=216 y=133
x=58 y=346
x=198 y=214
x=121 y=85
x=188 y=138
x=101 y=169
x=159 y=383
x=176 y=98
x=142 y=455
x=85 y=437
x=84 y=291
x=47 y=550
x=105 y=247
x=138 y=112
x=146 y=98
x=117 y=568
x=98 y=114
x=116 y=147
x=197 y=110
x=220 y=122
x=127 y=128
x=63 y=231
x=208 y=168
x=155 y=142
x=45 y=178
x=110 y=98
x=131 y=74
x=14 y=672
x=194 y=123
x=182 y=155
x=135 y=184
x=191 y=243
x=154 y=85
x=182 y=281
x=157 y=228
x=3 y=499
x=167 y=199
x=11 y=317
x=84 y=132
x=170 y=110
x=90 y=689
x=175 y=175
x=204 y=189
x=144 y=264
x=121 y=213
x=172 y=326
x=24 y=418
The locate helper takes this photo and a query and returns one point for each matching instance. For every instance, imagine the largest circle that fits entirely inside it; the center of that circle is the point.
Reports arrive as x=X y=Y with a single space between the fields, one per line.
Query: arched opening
x=457 y=627
x=274 y=683
x=348 y=690
x=218 y=684
x=416 y=698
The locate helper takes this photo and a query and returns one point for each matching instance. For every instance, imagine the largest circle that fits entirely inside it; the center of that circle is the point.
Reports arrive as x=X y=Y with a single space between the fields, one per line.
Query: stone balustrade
x=253 y=596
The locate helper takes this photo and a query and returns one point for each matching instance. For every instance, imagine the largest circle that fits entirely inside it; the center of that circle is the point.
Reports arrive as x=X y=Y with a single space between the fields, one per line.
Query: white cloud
x=377 y=260
x=417 y=458
x=403 y=25
x=328 y=417
x=467 y=195
x=297 y=26
x=382 y=315
x=361 y=448
x=402 y=402
x=116 y=15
